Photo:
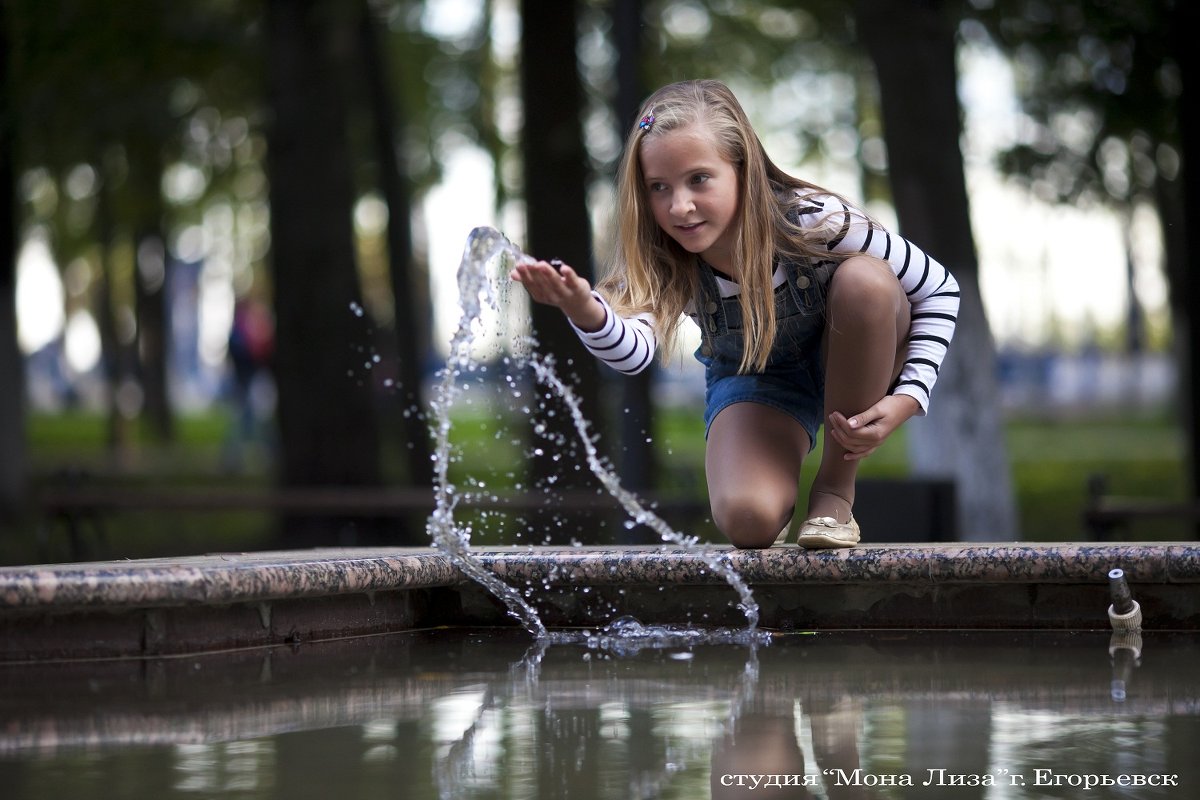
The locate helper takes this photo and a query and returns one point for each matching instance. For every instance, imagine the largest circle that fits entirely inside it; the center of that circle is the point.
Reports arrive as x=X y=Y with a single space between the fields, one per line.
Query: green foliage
x=804 y=53
x=1051 y=460
x=1099 y=86
x=123 y=92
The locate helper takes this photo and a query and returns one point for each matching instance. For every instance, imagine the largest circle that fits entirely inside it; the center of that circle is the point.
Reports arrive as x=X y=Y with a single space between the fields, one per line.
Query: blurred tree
x=758 y=42
x=12 y=372
x=1102 y=88
x=1184 y=22
x=963 y=434
x=79 y=93
x=410 y=287
x=636 y=461
x=1101 y=85
x=327 y=419
x=104 y=96
x=555 y=183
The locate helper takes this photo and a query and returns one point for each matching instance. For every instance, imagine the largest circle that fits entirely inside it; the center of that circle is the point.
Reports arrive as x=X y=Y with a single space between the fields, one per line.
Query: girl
x=808 y=310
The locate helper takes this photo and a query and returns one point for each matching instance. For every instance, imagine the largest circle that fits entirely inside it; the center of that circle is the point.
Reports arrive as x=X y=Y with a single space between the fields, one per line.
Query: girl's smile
x=693 y=193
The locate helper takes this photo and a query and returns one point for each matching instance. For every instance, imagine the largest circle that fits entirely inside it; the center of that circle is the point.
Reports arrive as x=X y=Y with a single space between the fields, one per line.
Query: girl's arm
x=626 y=345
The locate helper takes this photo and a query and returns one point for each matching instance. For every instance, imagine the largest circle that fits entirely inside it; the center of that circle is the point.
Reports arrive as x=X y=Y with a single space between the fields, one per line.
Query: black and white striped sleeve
x=930 y=287
x=626 y=345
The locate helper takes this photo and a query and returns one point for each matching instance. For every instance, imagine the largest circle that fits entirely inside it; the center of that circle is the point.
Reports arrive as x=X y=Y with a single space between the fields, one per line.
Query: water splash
x=476 y=290
x=626 y=636
x=484 y=246
x=543 y=367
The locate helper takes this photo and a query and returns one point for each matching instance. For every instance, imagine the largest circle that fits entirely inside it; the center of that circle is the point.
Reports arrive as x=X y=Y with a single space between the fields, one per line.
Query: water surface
x=491 y=714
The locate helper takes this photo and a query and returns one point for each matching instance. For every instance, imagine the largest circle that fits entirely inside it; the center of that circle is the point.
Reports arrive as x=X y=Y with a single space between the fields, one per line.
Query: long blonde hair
x=650 y=272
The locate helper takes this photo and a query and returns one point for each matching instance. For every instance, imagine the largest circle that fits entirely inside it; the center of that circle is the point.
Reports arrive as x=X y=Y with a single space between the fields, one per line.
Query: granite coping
x=225 y=578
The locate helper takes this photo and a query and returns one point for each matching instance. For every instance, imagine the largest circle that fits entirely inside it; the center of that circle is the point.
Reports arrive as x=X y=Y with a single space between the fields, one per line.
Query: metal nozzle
x=1118 y=590
x=1125 y=614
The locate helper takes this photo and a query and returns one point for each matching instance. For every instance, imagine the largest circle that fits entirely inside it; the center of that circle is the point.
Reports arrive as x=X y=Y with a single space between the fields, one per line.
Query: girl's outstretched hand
x=861 y=434
x=558 y=285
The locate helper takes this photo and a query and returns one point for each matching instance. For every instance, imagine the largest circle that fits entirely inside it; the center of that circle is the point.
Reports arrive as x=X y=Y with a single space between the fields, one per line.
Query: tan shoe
x=822 y=533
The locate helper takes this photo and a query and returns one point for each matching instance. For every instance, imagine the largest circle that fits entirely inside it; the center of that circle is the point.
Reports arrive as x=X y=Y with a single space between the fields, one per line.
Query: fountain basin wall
x=223 y=601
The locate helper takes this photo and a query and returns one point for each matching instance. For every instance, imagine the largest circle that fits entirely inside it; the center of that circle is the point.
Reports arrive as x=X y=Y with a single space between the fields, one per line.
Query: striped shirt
x=628 y=344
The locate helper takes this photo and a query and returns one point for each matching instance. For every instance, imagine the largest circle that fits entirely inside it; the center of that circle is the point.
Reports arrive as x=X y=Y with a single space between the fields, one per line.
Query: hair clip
x=646 y=122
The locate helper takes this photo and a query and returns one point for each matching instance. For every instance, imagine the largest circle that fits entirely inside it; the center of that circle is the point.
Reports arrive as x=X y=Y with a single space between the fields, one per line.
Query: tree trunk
x=556 y=175
x=410 y=287
x=911 y=43
x=153 y=330
x=636 y=459
x=12 y=367
x=1186 y=17
x=144 y=206
x=327 y=418
x=116 y=357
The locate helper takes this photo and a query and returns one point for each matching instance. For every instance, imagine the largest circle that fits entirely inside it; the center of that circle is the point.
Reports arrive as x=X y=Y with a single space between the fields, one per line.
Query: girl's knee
x=864 y=284
x=751 y=522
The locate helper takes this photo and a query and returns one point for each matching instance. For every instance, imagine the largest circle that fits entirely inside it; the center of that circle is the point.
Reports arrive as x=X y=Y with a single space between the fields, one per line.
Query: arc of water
x=543 y=367
x=484 y=245
x=474 y=289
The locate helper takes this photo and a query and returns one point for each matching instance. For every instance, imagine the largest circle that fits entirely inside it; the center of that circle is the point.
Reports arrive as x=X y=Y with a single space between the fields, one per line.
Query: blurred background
x=231 y=230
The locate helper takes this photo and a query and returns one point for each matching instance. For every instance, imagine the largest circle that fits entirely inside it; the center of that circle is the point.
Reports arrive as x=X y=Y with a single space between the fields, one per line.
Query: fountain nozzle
x=1125 y=646
x=1125 y=614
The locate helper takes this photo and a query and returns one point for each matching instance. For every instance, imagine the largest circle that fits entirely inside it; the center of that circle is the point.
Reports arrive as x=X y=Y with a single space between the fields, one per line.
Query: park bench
x=893 y=510
x=1104 y=514
x=82 y=508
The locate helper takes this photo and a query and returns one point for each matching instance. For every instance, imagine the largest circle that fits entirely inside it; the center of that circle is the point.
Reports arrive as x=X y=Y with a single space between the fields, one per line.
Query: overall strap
x=709 y=311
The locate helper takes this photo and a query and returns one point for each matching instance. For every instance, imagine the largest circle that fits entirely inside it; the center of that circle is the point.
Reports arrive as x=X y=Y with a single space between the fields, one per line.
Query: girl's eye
x=701 y=178
x=657 y=187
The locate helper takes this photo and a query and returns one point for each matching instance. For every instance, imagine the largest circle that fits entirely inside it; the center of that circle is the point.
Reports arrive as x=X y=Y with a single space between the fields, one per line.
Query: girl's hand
x=861 y=434
x=558 y=285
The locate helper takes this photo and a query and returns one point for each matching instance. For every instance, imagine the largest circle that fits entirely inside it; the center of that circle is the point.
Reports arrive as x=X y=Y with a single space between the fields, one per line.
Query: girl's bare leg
x=752 y=461
x=867 y=322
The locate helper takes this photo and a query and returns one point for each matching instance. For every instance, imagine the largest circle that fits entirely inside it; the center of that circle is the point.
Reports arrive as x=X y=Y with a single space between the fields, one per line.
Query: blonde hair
x=650 y=272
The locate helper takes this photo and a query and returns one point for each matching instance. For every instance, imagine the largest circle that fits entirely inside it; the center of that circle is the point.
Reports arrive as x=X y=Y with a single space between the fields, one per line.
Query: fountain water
x=477 y=290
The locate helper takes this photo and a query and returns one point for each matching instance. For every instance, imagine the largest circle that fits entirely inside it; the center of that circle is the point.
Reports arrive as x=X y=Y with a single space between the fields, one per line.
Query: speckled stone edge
x=250 y=577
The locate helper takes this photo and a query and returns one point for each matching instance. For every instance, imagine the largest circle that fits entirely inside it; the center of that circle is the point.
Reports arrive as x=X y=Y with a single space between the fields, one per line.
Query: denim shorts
x=798 y=392
x=793 y=381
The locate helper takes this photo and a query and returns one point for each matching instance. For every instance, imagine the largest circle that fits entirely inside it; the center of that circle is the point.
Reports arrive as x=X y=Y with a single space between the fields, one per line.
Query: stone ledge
x=220 y=578
x=252 y=577
x=173 y=606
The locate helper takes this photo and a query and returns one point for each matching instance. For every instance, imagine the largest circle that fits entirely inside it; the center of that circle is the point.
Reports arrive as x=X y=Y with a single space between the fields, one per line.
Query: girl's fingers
x=551 y=283
x=858 y=441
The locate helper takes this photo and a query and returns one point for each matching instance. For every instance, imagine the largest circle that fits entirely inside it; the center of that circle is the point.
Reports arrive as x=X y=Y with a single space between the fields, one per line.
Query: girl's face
x=693 y=193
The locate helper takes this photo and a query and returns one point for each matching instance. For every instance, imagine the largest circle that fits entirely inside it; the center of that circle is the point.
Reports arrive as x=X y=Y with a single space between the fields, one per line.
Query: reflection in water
x=452 y=714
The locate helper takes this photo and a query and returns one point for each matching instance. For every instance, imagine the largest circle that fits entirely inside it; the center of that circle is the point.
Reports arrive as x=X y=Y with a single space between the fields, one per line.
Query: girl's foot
x=830 y=522
x=822 y=533
x=835 y=505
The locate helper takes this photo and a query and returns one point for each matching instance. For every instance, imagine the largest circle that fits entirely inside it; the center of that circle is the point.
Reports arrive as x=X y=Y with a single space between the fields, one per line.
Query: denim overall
x=794 y=378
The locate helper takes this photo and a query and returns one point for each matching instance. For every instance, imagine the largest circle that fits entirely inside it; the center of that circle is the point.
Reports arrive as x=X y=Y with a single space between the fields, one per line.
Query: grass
x=1051 y=463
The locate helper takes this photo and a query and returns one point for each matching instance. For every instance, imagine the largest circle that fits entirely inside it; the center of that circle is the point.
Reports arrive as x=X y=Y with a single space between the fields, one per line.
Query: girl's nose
x=681 y=204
